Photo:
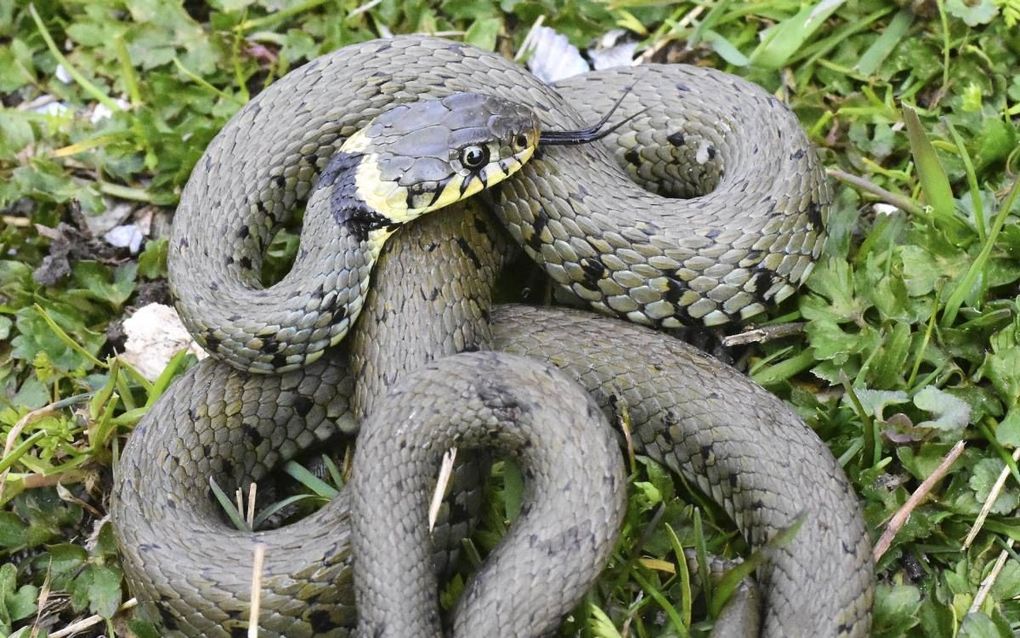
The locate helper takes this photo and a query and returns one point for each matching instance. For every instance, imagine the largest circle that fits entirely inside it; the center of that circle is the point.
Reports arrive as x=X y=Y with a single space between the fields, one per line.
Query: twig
x=445 y=472
x=899 y=201
x=989 y=580
x=252 y=491
x=986 y=507
x=85 y=623
x=903 y=515
x=764 y=334
x=256 y=590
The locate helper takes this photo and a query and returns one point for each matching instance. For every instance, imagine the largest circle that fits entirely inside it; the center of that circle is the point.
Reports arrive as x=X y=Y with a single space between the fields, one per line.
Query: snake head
x=423 y=156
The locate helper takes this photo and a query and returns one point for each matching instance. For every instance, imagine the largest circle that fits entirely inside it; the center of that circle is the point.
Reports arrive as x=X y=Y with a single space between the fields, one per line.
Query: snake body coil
x=746 y=238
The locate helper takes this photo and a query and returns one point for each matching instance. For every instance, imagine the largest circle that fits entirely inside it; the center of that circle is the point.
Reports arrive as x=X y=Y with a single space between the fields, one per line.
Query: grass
x=911 y=337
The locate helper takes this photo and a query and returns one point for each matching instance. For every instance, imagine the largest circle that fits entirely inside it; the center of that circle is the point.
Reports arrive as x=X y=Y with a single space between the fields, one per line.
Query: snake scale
x=603 y=221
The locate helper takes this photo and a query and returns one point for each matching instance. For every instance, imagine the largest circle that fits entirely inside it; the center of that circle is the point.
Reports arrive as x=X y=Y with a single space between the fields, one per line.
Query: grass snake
x=605 y=223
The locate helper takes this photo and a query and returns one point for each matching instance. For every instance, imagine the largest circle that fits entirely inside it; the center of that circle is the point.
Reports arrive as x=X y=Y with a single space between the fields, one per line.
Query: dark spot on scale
x=541 y=221
x=593 y=269
x=432 y=246
x=706 y=452
x=183 y=243
x=676 y=139
x=279 y=181
x=279 y=360
x=486 y=315
x=632 y=156
x=798 y=154
x=245 y=262
x=674 y=290
x=303 y=405
x=211 y=342
x=238 y=632
x=480 y=225
x=814 y=213
x=434 y=294
x=501 y=400
x=763 y=281
x=166 y=616
x=252 y=434
x=207 y=450
x=261 y=206
x=470 y=347
x=270 y=344
x=230 y=260
x=193 y=414
x=469 y=251
x=213 y=286
x=711 y=152
x=339 y=314
x=758 y=504
x=712 y=234
x=733 y=479
x=682 y=87
x=243 y=232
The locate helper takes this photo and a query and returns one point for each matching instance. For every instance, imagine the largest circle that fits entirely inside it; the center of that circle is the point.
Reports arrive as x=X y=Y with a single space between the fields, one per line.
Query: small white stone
x=154 y=335
x=128 y=236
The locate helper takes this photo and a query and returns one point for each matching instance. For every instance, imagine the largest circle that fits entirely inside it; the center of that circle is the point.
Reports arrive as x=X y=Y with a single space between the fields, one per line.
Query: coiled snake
x=336 y=132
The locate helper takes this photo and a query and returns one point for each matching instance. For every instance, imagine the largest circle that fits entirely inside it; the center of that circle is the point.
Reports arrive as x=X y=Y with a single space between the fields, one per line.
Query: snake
x=705 y=206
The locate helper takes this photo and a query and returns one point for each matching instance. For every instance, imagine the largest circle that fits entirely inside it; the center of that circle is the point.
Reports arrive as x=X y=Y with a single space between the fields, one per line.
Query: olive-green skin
x=626 y=251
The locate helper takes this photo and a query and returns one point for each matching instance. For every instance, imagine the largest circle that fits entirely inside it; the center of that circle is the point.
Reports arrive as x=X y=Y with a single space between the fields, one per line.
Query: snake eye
x=520 y=142
x=474 y=157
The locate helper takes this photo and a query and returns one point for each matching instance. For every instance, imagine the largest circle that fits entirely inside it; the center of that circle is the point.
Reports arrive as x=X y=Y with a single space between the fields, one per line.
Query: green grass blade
x=89 y=87
x=20 y=450
x=786 y=38
x=972 y=181
x=309 y=480
x=880 y=49
x=228 y=506
x=963 y=288
x=684 y=573
x=934 y=182
x=264 y=515
x=674 y=618
x=66 y=338
x=730 y=581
